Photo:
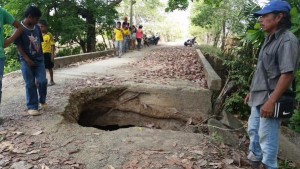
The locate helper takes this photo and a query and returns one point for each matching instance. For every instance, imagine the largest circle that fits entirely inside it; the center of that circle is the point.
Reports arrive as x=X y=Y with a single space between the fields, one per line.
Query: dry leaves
x=172 y=63
x=37 y=133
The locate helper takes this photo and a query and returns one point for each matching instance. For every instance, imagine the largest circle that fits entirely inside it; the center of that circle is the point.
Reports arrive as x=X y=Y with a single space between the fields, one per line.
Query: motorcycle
x=190 y=42
x=153 y=40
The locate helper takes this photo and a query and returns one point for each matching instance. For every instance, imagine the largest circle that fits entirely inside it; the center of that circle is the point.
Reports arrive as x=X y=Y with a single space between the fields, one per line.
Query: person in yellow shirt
x=118 y=38
x=127 y=33
x=48 y=46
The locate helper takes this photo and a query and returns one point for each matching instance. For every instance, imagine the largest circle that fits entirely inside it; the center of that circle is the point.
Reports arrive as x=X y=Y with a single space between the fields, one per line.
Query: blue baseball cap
x=274 y=6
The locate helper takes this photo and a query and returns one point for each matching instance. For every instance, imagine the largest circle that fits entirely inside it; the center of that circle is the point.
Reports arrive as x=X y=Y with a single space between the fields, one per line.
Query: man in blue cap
x=279 y=56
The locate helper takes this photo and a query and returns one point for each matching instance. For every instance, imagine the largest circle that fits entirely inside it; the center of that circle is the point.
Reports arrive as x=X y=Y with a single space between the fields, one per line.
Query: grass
x=211 y=50
x=285 y=164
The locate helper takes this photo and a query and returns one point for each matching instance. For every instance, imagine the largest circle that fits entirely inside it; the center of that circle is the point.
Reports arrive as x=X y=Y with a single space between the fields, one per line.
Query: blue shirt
x=31 y=42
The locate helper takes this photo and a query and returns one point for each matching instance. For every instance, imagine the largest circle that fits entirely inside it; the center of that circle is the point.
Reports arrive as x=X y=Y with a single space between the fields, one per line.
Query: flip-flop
x=51 y=84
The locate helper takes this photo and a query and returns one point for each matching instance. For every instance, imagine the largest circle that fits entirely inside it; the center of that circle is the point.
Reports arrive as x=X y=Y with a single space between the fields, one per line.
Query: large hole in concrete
x=112 y=108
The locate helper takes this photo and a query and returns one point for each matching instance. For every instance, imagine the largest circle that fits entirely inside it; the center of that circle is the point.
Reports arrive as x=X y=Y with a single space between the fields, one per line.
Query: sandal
x=51 y=84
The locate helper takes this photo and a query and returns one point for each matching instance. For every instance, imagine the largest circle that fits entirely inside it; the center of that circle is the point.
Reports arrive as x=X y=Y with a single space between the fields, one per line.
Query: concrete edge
x=67 y=60
x=214 y=81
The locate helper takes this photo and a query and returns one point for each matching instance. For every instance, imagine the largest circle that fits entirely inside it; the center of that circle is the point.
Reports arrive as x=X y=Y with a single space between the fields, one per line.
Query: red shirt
x=139 y=34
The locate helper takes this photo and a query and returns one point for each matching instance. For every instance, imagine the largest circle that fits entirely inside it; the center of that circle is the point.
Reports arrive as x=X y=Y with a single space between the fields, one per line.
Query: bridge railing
x=67 y=60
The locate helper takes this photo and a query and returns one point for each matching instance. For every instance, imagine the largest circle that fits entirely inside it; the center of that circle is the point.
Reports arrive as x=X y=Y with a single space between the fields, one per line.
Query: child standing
x=48 y=46
x=118 y=37
x=126 y=34
x=139 y=36
x=133 y=37
x=6 y=18
x=29 y=45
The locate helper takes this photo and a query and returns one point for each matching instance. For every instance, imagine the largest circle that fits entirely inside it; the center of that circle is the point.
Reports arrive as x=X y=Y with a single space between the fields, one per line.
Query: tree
x=72 y=21
x=183 y=4
x=220 y=19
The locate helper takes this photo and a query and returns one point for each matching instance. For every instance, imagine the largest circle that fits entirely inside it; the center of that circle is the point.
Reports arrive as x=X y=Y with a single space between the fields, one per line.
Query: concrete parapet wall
x=214 y=81
x=67 y=60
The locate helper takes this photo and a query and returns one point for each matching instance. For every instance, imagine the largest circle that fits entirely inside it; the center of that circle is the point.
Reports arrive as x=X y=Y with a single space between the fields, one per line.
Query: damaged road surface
x=117 y=113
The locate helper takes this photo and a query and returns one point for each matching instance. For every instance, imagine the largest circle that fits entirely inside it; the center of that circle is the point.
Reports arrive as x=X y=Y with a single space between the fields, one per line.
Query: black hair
x=285 y=21
x=140 y=27
x=33 y=11
x=119 y=22
x=43 y=22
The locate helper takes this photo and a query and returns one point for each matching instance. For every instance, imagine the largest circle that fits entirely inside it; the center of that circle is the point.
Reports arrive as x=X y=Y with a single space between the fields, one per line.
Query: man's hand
x=247 y=98
x=267 y=110
x=30 y=62
x=15 y=35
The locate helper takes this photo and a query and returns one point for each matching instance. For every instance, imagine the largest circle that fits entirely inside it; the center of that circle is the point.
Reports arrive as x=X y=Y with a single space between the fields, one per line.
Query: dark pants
x=139 y=41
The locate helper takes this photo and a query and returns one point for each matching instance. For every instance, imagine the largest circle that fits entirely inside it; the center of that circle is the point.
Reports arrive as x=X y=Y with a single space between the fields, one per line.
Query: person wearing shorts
x=48 y=46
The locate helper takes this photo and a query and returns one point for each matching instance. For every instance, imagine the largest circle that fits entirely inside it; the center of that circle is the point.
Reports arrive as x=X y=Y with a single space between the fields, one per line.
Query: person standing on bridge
x=48 y=46
x=29 y=45
x=133 y=37
x=139 y=36
x=126 y=35
x=277 y=64
x=118 y=38
x=7 y=18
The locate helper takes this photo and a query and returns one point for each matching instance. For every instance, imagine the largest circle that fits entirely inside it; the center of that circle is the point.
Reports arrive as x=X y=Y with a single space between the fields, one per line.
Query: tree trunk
x=216 y=39
x=104 y=41
x=91 y=26
x=109 y=43
x=91 y=34
x=82 y=44
x=219 y=104
x=223 y=35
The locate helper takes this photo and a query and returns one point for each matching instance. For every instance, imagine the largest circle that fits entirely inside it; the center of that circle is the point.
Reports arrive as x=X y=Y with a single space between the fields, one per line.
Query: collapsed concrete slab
x=220 y=133
x=160 y=106
x=289 y=148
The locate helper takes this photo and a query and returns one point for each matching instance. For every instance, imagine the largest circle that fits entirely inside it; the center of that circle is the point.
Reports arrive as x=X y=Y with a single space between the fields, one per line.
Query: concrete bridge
x=107 y=93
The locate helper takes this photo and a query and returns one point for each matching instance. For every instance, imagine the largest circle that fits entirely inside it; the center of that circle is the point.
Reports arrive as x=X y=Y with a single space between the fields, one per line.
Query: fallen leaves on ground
x=206 y=155
x=172 y=63
x=37 y=133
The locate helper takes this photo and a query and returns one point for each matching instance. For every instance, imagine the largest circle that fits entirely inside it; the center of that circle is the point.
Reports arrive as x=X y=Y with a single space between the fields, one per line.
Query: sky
x=262 y=2
x=183 y=17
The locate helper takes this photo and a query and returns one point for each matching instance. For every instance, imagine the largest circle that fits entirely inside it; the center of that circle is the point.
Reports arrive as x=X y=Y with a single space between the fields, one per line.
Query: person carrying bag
x=285 y=106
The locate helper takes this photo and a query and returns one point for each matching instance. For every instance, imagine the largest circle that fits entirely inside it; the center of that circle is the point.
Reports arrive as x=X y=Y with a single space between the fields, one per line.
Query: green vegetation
x=72 y=21
x=284 y=164
x=11 y=61
x=212 y=50
x=295 y=120
x=240 y=43
x=86 y=26
x=225 y=24
x=68 y=51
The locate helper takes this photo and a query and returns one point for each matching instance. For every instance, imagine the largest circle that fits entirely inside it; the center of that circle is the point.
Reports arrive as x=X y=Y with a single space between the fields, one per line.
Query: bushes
x=11 y=65
x=12 y=62
x=295 y=120
x=69 y=51
x=212 y=50
x=240 y=69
